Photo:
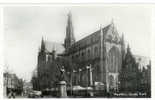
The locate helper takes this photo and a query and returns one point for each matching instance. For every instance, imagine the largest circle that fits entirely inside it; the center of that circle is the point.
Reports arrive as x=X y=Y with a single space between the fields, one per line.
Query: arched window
x=114 y=59
x=88 y=53
x=111 y=81
x=82 y=55
x=96 y=51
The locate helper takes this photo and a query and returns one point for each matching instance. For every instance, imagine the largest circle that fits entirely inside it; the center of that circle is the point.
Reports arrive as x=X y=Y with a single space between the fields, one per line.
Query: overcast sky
x=24 y=27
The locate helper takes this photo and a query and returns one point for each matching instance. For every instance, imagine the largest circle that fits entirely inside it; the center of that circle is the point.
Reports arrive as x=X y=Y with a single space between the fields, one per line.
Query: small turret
x=42 y=45
x=123 y=46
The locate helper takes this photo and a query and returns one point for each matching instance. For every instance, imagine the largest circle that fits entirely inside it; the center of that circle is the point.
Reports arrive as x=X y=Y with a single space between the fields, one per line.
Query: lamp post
x=87 y=67
x=72 y=81
x=74 y=78
x=91 y=77
x=90 y=82
x=79 y=76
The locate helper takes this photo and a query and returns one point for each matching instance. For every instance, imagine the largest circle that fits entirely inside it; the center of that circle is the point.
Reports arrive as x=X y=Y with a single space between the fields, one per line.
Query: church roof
x=105 y=29
x=50 y=46
x=109 y=31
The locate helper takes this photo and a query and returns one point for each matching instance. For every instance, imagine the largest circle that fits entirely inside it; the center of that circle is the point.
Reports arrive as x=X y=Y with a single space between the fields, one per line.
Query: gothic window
x=88 y=53
x=97 y=71
x=82 y=54
x=96 y=51
x=72 y=57
x=47 y=58
x=114 y=59
x=111 y=81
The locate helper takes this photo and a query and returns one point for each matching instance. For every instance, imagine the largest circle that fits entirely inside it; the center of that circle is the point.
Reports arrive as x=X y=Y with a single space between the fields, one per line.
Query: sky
x=24 y=27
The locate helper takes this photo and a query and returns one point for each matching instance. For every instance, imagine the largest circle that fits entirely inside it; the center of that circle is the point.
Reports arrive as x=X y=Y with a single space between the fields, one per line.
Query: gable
x=112 y=34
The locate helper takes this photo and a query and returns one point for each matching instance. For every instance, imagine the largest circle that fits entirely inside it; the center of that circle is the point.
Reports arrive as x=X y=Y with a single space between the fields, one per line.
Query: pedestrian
x=11 y=94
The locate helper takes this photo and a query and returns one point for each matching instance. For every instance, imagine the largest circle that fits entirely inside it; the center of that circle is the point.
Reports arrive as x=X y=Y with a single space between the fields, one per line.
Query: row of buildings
x=104 y=50
x=12 y=83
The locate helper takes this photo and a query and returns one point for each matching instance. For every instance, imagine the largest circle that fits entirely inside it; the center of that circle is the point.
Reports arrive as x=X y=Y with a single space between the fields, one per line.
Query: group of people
x=11 y=94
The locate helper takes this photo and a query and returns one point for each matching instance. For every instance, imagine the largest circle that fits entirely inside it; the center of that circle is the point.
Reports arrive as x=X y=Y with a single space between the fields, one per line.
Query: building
x=142 y=61
x=12 y=83
x=145 y=82
x=27 y=87
x=130 y=74
x=103 y=50
x=144 y=66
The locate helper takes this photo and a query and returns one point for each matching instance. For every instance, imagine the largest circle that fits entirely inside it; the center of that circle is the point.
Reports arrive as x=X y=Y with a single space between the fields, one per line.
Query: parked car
x=34 y=94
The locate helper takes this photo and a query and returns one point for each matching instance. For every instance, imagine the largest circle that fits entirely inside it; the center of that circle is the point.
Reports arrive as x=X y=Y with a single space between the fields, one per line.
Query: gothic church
x=103 y=50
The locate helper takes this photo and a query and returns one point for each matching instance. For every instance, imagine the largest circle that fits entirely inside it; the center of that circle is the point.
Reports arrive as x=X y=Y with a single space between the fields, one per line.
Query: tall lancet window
x=47 y=58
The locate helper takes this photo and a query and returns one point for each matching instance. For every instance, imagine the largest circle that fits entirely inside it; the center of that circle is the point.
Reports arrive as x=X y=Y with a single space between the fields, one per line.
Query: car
x=34 y=94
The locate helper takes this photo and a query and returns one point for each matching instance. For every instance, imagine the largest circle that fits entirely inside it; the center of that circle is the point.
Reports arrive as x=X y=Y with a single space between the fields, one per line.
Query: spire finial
x=128 y=47
x=101 y=27
x=69 y=15
x=42 y=44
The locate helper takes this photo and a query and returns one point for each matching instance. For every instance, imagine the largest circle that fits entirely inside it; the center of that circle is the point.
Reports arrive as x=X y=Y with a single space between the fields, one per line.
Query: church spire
x=42 y=45
x=69 y=39
x=122 y=40
x=123 y=46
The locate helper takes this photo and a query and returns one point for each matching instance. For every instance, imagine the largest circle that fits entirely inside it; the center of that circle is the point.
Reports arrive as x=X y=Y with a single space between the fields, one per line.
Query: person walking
x=11 y=94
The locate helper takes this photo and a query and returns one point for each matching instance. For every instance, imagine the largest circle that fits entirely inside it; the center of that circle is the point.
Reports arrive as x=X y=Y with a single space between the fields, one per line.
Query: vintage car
x=34 y=94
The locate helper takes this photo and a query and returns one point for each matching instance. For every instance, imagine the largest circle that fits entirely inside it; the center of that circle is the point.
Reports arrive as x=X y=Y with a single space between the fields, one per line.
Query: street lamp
x=79 y=75
x=89 y=74
x=87 y=67
x=72 y=81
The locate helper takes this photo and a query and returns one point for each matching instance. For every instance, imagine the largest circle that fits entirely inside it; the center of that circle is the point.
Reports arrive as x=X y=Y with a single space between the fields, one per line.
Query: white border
x=58 y=3
x=76 y=1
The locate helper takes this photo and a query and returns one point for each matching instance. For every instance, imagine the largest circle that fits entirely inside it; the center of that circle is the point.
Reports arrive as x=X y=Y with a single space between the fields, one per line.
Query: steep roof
x=109 y=33
x=111 y=27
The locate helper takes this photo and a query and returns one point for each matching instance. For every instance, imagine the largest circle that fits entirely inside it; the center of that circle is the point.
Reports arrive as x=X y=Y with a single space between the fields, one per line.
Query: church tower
x=42 y=45
x=69 y=39
x=42 y=54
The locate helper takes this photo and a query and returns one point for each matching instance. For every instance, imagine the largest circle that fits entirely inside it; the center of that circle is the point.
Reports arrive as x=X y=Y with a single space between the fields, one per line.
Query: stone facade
x=46 y=67
x=103 y=50
x=12 y=83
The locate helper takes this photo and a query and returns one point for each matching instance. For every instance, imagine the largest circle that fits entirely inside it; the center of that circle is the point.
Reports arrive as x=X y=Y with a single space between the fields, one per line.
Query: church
x=97 y=57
